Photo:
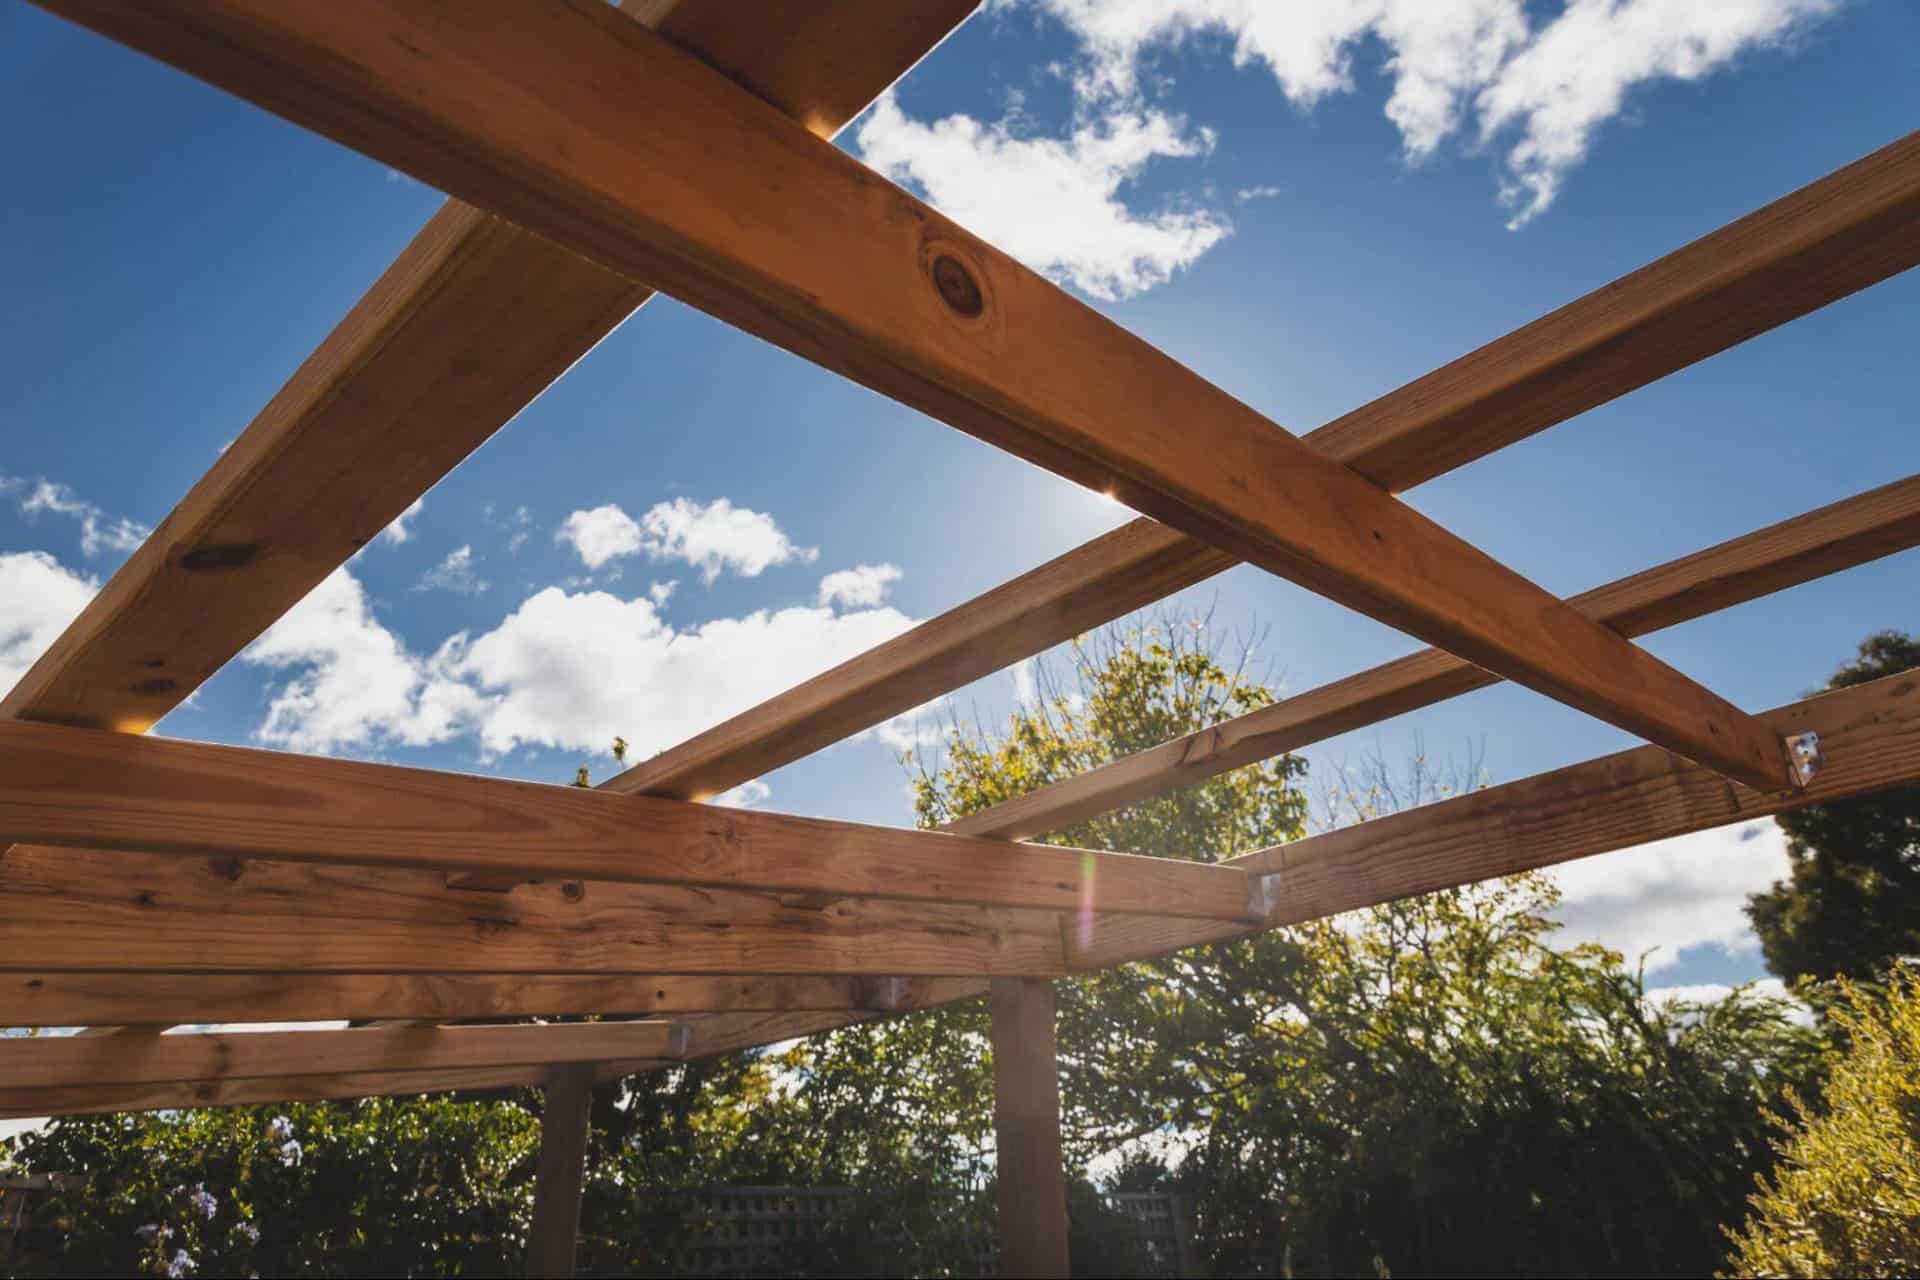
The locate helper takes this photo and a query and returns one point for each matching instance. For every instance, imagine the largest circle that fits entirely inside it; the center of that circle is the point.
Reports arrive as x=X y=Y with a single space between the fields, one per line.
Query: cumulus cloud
x=98 y=530
x=714 y=537
x=397 y=532
x=862 y=586
x=455 y=573
x=1053 y=203
x=602 y=534
x=1553 y=84
x=38 y=598
x=573 y=669
x=567 y=669
x=355 y=684
x=1576 y=74
x=1673 y=894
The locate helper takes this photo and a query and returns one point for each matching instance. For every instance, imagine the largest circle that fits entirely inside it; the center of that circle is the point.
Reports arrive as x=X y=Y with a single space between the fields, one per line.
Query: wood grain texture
x=90 y=789
x=1032 y=1189
x=467 y=326
x=87 y=1099
x=1870 y=736
x=45 y=1061
x=1846 y=533
x=1842 y=233
x=94 y=911
x=876 y=285
x=101 y=1000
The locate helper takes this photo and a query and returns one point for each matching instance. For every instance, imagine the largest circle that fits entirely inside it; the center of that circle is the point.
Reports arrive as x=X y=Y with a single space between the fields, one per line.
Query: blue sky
x=1308 y=209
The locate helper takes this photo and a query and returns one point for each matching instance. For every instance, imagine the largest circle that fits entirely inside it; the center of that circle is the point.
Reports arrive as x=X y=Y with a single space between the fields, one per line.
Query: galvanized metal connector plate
x=1803 y=756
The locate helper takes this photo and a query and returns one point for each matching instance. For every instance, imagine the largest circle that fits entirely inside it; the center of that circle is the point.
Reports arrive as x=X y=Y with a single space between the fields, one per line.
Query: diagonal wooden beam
x=45 y=1061
x=85 y=788
x=470 y=323
x=1835 y=537
x=1869 y=736
x=876 y=285
x=100 y=1000
x=1851 y=229
x=81 y=910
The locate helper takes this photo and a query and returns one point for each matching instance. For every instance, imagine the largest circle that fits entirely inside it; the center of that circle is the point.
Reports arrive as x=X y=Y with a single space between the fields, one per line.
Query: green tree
x=1846 y=1198
x=1427 y=1086
x=1851 y=902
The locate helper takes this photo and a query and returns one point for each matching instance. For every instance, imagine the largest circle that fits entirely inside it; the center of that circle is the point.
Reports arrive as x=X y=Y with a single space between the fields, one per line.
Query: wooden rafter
x=467 y=326
x=48 y=1061
x=1851 y=229
x=1869 y=735
x=55 y=999
x=1846 y=533
x=877 y=286
x=91 y=789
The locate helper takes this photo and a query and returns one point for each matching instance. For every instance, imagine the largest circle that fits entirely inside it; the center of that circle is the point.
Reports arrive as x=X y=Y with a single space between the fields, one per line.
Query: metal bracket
x=1263 y=895
x=1803 y=756
x=680 y=1040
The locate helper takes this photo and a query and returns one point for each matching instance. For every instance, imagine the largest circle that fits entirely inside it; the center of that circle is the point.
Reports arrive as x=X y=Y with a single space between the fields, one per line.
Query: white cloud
x=38 y=598
x=566 y=669
x=661 y=592
x=1672 y=894
x=713 y=537
x=1714 y=992
x=397 y=532
x=1575 y=75
x=574 y=669
x=602 y=534
x=1553 y=84
x=719 y=536
x=1264 y=191
x=750 y=794
x=455 y=573
x=356 y=685
x=98 y=530
x=862 y=586
x=1053 y=203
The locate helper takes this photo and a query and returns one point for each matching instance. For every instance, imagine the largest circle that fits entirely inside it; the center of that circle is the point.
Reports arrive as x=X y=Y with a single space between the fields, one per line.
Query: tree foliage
x=1846 y=1198
x=1851 y=902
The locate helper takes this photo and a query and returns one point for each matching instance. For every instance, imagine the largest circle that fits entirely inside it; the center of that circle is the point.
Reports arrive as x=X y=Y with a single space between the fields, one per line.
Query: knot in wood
x=958 y=289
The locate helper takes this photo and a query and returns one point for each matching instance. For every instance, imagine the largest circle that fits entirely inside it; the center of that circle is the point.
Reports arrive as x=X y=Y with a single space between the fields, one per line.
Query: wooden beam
x=46 y=1061
x=470 y=323
x=874 y=284
x=98 y=1001
x=1831 y=238
x=103 y=912
x=1869 y=735
x=89 y=789
x=561 y=1171
x=88 y=1099
x=1029 y=1171
x=1846 y=533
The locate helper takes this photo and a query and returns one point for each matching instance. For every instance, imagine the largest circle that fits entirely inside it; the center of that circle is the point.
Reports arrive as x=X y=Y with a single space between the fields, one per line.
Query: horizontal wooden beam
x=1846 y=533
x=876 y=285
x=82 y=910
x=1869 y=736
x=90 y=1099
x=469 y=324
x=96 y=1000
x=46 y=1061
x=90 y=789
x=1851 y=229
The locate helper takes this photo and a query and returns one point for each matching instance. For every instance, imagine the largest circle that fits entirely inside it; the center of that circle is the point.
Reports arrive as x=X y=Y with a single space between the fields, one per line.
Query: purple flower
x=290 y=1153
x=182 y=1264
x=279 y=1129
x=204 y=1202
x=251 y=1232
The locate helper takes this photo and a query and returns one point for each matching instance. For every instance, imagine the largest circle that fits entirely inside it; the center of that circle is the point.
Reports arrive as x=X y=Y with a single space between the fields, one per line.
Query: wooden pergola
x=604 y=153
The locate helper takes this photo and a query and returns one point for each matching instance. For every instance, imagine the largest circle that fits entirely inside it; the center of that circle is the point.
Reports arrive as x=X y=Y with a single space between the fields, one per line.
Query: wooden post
x=562 y=1168
x=1026 y=1121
